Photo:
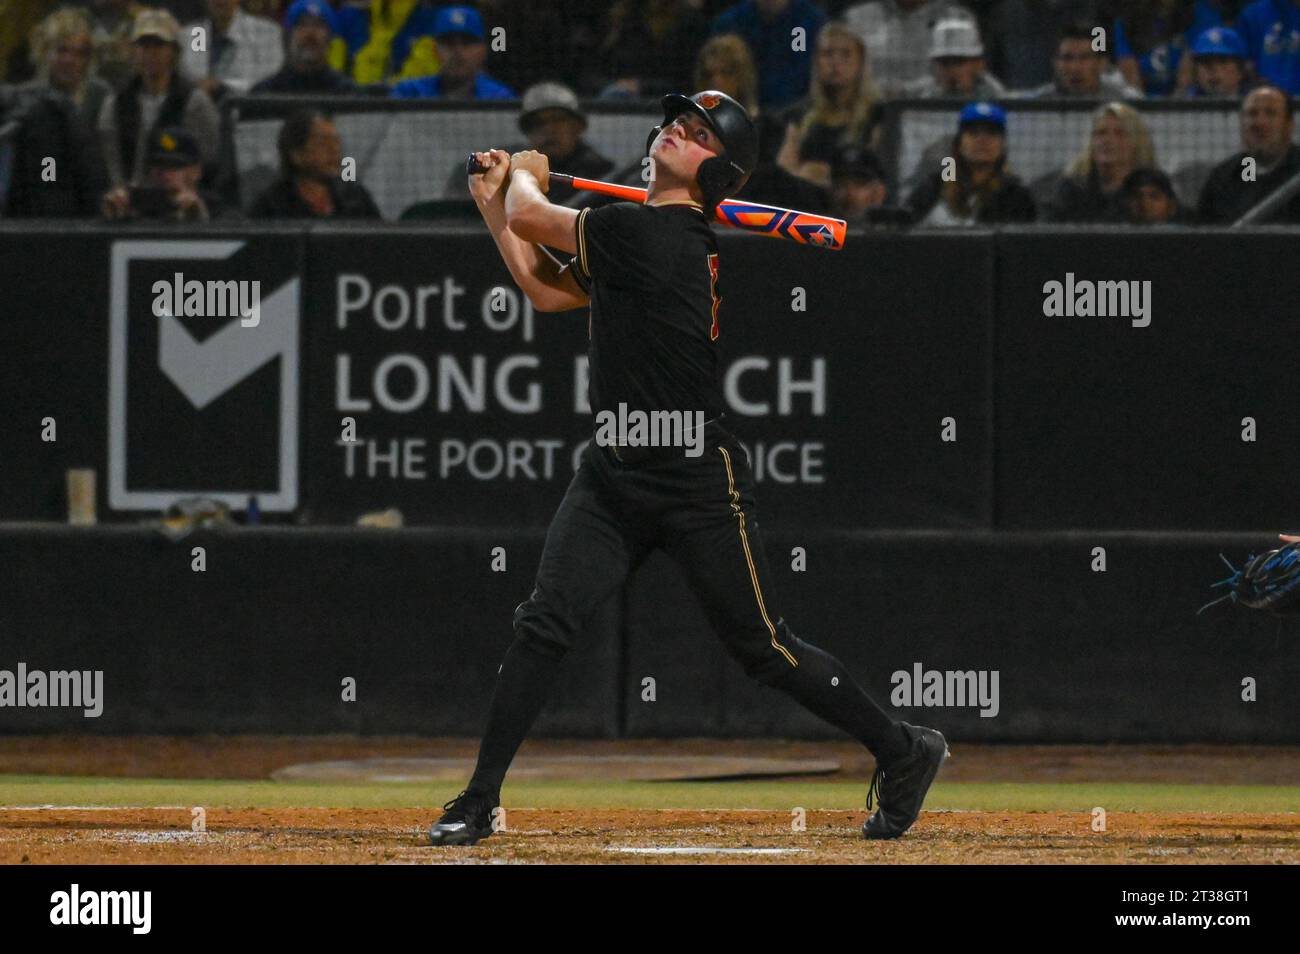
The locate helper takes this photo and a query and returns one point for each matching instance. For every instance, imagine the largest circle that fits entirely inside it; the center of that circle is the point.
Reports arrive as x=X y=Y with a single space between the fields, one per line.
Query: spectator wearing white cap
x=554 y=122
x=957 y=66
x=156 y=97
x=897 y=34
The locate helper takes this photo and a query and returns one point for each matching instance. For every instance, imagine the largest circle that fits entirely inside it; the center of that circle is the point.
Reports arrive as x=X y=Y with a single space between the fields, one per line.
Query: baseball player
x=650 y=275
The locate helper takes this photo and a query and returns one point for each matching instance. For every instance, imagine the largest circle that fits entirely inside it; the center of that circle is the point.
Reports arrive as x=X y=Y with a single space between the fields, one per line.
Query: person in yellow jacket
x=367 y=30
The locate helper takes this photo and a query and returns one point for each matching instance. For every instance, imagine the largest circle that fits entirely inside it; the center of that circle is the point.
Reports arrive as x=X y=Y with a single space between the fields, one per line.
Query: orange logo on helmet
x=709 y=100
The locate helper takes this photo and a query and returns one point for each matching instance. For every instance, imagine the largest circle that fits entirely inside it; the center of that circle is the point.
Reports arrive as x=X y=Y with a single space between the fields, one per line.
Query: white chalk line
x=95 y=808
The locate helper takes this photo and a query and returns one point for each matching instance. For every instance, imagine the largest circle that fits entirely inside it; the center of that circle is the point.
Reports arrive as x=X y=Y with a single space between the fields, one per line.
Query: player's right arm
x=549 y=285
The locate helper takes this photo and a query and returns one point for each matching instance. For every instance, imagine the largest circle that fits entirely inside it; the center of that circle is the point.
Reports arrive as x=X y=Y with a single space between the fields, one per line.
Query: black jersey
x=651 y=273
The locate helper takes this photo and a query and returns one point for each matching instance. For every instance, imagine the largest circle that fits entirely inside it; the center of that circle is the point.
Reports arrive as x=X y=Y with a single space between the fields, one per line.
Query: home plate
x=706 y=850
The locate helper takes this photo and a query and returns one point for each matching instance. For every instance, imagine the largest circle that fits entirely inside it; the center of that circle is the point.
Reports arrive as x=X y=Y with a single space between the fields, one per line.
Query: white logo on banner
x=203 y=371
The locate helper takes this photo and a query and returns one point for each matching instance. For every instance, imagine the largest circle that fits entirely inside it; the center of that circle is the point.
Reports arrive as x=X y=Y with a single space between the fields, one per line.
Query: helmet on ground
x=724 y=174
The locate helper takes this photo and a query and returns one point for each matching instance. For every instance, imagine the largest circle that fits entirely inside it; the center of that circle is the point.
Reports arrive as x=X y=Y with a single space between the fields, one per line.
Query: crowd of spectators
x=112 y=108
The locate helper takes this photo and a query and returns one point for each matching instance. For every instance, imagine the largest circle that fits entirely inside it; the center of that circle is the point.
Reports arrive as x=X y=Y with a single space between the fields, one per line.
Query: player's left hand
x=486 y=186
x=530 y=160
x=1289 y=538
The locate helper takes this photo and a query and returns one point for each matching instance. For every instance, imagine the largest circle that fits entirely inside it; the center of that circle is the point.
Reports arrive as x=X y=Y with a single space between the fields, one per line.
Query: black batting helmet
x=724 y=174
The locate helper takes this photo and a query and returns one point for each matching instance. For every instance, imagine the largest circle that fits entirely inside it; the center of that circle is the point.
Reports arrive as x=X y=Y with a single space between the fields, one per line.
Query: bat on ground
x=806 y=228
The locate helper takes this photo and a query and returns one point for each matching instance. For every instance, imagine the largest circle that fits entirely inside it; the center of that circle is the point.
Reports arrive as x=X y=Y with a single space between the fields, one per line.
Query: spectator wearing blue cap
x=1219 y=64
x=311 y=26
x=1271 y=29
x=461 y=50
x=981 y=190
x=1150 y=37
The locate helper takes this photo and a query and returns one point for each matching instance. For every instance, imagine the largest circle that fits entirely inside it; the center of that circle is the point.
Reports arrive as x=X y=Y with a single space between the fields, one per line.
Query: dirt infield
x=551 y=828
x=379 y=836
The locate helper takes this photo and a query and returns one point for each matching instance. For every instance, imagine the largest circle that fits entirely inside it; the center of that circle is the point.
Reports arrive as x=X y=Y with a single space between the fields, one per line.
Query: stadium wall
x=262 y=640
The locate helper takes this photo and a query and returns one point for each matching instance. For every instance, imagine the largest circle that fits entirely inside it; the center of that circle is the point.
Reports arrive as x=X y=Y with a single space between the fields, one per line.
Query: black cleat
x=466 y=820
x=899 y=788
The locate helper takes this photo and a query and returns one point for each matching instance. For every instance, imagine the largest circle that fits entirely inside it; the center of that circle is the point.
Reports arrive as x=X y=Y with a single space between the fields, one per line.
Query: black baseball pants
x=701 y=512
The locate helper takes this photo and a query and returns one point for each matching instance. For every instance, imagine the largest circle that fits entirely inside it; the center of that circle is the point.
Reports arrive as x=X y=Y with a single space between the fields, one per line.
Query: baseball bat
x=806 y=228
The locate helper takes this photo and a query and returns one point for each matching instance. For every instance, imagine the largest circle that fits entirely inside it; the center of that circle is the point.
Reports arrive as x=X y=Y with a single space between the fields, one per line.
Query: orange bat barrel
x=820 y=231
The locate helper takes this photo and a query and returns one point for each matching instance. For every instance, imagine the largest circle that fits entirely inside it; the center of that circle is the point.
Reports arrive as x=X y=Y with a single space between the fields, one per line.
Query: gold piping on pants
x=749 y=557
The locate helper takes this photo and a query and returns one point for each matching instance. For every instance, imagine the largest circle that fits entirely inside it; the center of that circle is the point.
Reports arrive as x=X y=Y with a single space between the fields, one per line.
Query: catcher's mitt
x=1269 y=581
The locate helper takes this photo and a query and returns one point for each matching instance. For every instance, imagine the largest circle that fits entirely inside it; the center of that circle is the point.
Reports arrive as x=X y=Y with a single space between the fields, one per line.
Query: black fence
x=412 y=152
